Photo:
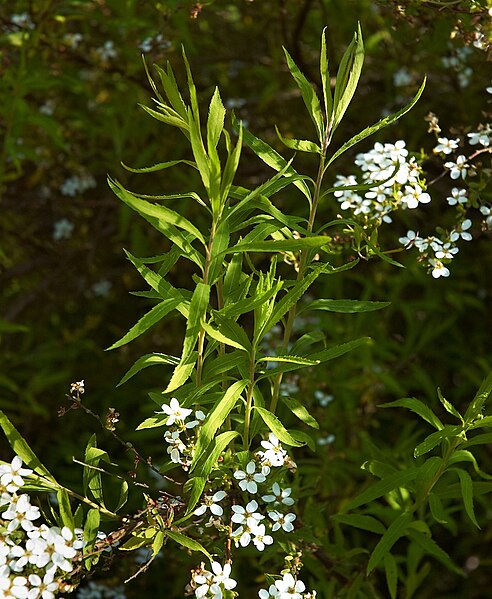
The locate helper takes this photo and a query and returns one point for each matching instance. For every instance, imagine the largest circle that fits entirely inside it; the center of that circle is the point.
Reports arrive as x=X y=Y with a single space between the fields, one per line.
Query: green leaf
x=65 y=509
x=215 y=419
x=289 y=359
x=343 y=306
x=383 y=487
x=418 y=407
x=437 y=510
x=466 y=484
x=348 y=77
x=277 y=427
x=157 y=167
x=299 y=145
x=325 y=77
x=360 y=521
x=389 y=120
x=91 y=528
x=221 y=338
x=161 y=213
x=205 y=467
x=146 y=361
x=153 y=422
x=153 y=316
x=308 y=95
x=172 y=92
x=198 y=309
x=187 y=542
x=435 y=438
x=280 y=245
x=197 y=485
x=159 y=284
x=215 y=123
x=272 y=158
x=475 y=408
x=391 y=571
x=123 y=496
x=297 y=408
x=22 y=449
x=158 y=542
x=448 y=406
x=394 y=532
x=432 y=548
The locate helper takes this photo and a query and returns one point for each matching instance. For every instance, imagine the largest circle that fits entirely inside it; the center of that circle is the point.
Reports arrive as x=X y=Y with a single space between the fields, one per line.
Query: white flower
x=11 y=475
x=279 y=495
x=289 y=587
x=438 y=269
x=271 y=593
x=482 y=137
x=402 y=77
x=176 y=446
x=211 y=502
x=459 y=168
x=423 y=244
x=410 y=239
x=282 y=521
x=62 y=229
x=248 y=515
x=107 y=51
x=175 y=412
x=200 y=417
x=275 y=454
x=486 y=211
x=247 y=480
x=21 y=513
x=323 y=398
x=445 y=145
x=458 y=196
x=44 y=588
x=261 y=539
x=222 y=575
x=462 y=231
x=413 y=195
x=447 y=251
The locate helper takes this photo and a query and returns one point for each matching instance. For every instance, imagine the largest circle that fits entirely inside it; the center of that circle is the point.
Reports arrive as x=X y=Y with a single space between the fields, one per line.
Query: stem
x=249 y=401
x=201 y=335
x=300 y=273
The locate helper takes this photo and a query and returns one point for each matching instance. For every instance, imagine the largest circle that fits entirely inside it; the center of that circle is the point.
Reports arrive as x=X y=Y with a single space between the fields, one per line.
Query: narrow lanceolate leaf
x=389 y=120
x=215 y=419
x=210 y=462
x=65 y=509
x=198 y=309
x=325 y=77
x=272 y=158
x=153 y=316
x=171 y=88
x=149 y=360
x=394 y=532
x=22 y=449
x=159 y=284
x=435 y=438
x=280 y=245
x=308 y=95
x=215 y=123
x=448 y=406
x=415 y=405
x=391 y=571
x=153 y=422
x=297 y=408
x=383 y=487
x=299 y=145
x=432 y=548
x=343 y=306
x=277 y=428
x=289 y=359
x=221 y=338
x=475 y=408
x=157 y=167
x=360 y=521
x=197 y=485
x=466 y=485
x=91 y=528
x=187 y=542
x=162 y=213
x=348 y=77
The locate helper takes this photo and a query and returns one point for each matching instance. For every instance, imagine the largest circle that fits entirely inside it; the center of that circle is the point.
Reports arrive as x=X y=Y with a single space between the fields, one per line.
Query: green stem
x=249 y=401
x=300 y=273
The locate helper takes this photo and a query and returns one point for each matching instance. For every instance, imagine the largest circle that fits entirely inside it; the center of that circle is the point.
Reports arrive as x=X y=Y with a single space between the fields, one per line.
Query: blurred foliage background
x=72 y=79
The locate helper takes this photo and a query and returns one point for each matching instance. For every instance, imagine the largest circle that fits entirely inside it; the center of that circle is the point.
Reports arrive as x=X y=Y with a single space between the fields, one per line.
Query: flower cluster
x=180 y=450
x=287 y=587
x=77 y=184
x=396 y=182
x=33 y=559
x=212 y=585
